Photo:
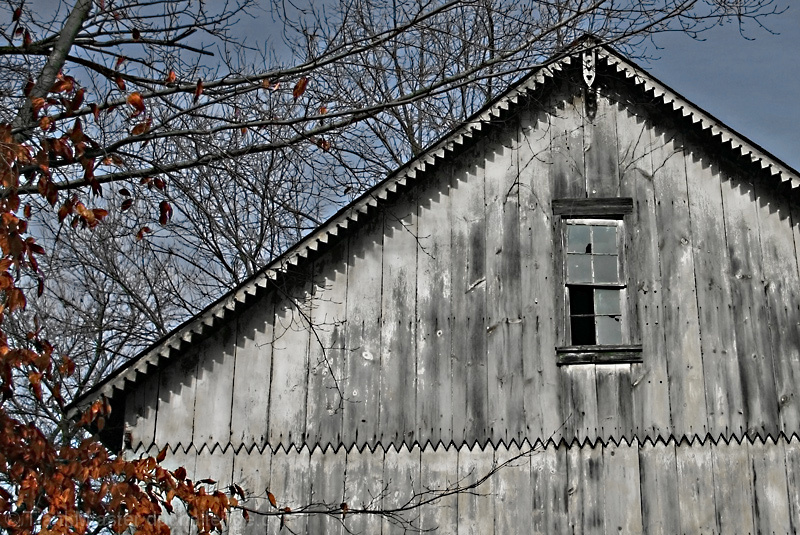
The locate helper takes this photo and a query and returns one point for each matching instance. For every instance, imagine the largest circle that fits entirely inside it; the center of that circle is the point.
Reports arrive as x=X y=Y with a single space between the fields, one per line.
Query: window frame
x=597 y=211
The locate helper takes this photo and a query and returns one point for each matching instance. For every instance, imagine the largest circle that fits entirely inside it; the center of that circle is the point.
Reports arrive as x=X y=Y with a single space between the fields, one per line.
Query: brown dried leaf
x=300 y=88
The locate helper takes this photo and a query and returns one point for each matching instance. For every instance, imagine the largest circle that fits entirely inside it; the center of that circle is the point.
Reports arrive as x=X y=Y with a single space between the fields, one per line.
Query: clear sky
x=752 y=86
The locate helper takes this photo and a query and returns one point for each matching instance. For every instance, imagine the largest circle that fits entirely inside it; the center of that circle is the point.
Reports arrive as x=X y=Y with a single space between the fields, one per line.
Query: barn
x=576 y=313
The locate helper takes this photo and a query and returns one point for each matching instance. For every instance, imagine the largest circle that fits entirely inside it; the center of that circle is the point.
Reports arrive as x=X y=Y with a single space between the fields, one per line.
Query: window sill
x=621 y=354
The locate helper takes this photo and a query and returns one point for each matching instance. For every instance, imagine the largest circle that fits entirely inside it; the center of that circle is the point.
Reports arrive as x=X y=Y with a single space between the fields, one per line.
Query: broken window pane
x=579 y=239
x=581 y=300
x=582 y=330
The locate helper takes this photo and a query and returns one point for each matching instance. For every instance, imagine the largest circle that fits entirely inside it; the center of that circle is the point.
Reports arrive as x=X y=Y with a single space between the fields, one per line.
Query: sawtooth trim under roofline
x=161 y=350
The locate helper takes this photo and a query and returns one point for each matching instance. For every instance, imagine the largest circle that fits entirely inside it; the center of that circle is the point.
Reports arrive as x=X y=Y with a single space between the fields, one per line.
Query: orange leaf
x=15 y=299
x=162 y=455
x=300 y=88
x=198 y=90
x=120 y=82
x=141 y=128
x=171 y=77
x=99 y=213
x=272 y=501
x=45 y=123
x=137 y=102
x=27 y=40
x=120 y=61
x=142 y=232
x=38 y=104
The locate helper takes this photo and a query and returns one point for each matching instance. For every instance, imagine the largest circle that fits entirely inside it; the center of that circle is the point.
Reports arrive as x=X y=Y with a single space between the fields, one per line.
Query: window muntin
x=594 y=282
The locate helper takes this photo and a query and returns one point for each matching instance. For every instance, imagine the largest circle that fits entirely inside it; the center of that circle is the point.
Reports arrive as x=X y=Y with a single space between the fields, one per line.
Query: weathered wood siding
x=652 y=487
x=435 y=317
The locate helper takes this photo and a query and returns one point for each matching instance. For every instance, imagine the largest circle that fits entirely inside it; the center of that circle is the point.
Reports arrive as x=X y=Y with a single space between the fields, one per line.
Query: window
x=598 y=316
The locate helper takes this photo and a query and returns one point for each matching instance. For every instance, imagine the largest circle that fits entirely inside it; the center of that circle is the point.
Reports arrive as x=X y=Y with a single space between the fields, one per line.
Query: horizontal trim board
x=586 y=207
x=619 y=354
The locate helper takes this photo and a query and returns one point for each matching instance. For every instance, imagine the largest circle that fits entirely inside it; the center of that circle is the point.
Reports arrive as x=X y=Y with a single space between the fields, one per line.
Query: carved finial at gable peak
x=589 y=62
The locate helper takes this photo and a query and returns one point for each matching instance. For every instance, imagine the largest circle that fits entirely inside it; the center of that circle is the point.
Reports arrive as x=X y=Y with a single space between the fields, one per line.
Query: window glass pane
x=582 y=331
x=609 y=330
x=581 y=300
x=579 y=268
x=578 y=239
x=605 y=268
x=604 y=240
x=607 y=302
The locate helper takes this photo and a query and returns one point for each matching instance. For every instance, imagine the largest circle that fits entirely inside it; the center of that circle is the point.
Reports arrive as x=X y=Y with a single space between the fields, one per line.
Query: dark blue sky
x=753 y=86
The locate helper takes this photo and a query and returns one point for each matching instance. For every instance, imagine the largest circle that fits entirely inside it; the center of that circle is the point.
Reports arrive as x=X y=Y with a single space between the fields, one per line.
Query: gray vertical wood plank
x=288 y=389
x=252 y=374
x=650 y=378
x=251 y=471
x=363 y=333
x=568 y=167
x=770 y=500
x=326 y=353
x=585 y=483
x=439 y=472
x=503 y=314
x=216 y=466
x=782 y=292
x=288 y=482
x=615 y=402
x=724 y=398
x=537 y=278
x=364 y=488
x=326 y=477
x=401 y=475
x=397 y=399
x=733 y=487
x=579 y=401
x=752 y=341
x=658 y=479
x=141 y=407
x=696 y=484
x=550 y=489
x=512 y=490
x=600 y=146
x=176 y=397
x=434 y=410
x=214 y=389
x=681 y=324
x=475 y=510
x=468 y=364
x=622 y=494
x=792 y=452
